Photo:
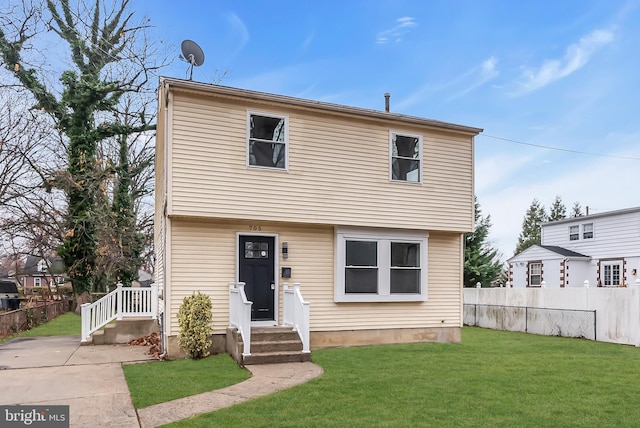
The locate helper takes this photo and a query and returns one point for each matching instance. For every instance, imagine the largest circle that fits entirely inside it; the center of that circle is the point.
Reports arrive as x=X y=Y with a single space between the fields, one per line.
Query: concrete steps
x=269 y=345
x=124 y=331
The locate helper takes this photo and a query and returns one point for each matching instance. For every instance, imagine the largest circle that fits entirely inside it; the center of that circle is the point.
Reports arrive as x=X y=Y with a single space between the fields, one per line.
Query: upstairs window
x=587 y=231
x=268 y=141
x=37 y=282
x=535 y=274
x=574 y=233
x=406 y=157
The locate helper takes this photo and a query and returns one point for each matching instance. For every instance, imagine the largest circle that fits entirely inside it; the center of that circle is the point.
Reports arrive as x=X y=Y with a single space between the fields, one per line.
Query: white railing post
x=240 y=314
x=119 y=302
x=154 y=301
x=85 y=313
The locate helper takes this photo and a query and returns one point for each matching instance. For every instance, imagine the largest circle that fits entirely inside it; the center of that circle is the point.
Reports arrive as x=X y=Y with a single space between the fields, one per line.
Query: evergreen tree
x=481 y=261
x=576 y=210
x=557 y=211
x=530 y=235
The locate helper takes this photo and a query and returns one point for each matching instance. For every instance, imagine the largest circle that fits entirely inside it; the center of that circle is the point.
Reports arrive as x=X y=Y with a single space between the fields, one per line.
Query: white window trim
x=38 y=281
x=530 y=274
x=575 y=234
x=285 y=142
x=420 y=143
x=384 y=268
x=593 y=231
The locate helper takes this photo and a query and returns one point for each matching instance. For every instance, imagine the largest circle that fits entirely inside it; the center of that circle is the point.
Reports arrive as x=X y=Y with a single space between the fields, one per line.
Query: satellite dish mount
x=192 y=53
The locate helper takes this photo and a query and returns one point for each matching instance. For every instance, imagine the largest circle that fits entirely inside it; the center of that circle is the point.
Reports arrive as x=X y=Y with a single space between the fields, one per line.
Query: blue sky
x=561 y=74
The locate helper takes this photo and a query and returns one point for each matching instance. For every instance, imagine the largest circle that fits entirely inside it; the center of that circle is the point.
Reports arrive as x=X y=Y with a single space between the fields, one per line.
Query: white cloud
x=239 y=31
x=577 y=55
x=395 y=34
x=460 y=85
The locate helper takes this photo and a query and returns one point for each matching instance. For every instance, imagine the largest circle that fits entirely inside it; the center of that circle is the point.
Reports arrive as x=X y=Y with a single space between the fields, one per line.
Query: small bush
x=195 y=322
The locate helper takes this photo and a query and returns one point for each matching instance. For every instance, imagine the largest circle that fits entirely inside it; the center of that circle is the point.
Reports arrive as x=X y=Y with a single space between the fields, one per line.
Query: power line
x=559 y=148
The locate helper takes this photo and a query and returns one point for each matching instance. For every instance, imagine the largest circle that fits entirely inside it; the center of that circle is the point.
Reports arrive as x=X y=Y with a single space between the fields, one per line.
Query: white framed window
x=574 y=233
x=535 y=274
x=37 y=282
x=611 y=273
x=373 y=266
x=60 y=280
x=267 y=140
x=405 y=153
x=587 y=231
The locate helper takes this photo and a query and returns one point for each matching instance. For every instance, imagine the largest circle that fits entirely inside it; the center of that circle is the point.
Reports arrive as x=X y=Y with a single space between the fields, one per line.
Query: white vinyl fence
x=603 y=314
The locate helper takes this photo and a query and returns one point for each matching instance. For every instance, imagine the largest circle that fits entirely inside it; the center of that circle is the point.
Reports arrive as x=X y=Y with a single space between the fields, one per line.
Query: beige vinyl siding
x=204 y=258
x=338 y=170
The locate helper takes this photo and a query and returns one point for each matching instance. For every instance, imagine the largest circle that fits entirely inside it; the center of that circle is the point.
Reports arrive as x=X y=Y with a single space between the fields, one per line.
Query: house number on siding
x=255 y=228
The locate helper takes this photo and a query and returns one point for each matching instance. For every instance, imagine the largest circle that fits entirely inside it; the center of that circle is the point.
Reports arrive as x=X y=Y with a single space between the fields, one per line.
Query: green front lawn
x=493 y=379
x=161 y=381
x=67 y=324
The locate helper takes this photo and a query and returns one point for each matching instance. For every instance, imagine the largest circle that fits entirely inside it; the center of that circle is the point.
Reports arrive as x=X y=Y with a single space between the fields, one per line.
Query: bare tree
x=109 y=60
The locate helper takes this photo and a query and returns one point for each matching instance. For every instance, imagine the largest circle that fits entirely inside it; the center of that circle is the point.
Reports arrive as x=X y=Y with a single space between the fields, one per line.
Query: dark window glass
x=361 y=280
x=405 y=281
x=361 y=253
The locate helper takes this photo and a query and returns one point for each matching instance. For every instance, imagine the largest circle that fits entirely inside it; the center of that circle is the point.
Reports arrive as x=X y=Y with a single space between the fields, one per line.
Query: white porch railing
x=123 y=302
x=296 y=313
x=240 y=314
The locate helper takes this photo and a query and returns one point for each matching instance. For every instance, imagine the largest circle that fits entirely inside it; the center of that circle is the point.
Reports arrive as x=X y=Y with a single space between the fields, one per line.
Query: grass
x=492 y=378
x=66 y=324
x=161 y=381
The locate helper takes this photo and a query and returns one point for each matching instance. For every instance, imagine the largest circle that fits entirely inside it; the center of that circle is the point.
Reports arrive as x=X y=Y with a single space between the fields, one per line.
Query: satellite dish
x=192 y=53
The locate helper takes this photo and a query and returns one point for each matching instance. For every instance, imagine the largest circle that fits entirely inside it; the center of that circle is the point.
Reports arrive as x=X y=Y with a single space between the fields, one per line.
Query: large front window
x=380 y=267
x=611 y=273
x=267 y=145
x=406 y=157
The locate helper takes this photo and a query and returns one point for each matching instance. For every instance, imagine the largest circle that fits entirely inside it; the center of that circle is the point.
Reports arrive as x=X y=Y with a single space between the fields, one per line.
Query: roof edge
x=228 y=91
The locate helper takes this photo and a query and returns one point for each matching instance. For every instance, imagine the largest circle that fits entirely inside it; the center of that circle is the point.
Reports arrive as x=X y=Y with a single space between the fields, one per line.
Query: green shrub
x=195 y=321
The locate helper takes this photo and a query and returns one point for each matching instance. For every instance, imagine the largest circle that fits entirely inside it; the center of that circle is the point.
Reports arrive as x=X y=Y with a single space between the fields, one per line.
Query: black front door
x=256 y=270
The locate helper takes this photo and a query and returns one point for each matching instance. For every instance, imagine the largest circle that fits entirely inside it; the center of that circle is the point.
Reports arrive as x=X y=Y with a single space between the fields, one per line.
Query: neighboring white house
x=602 y=248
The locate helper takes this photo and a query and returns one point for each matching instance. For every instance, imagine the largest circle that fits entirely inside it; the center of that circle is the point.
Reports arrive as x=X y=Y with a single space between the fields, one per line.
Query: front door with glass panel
x=256 y=269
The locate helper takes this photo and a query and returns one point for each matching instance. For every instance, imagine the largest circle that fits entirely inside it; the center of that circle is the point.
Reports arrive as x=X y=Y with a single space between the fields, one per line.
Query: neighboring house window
x=380 y=267
x=406 y=157
x=587 y=231
x=574 y=233
x=267 y=141
x=60 y=280
x=535 y=274
x=36 y=282
x=611 y=273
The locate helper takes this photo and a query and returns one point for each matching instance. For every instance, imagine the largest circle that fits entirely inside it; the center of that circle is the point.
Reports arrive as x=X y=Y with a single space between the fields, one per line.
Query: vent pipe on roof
x=587 y=210
x=386 y=101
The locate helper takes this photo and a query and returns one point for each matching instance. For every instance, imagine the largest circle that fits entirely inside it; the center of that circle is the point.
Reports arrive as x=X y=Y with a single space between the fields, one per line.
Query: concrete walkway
x=266 y=379
x=58 y=371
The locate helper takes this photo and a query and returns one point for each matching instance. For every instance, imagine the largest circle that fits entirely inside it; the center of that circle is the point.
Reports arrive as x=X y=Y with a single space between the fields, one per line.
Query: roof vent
x=387 y=95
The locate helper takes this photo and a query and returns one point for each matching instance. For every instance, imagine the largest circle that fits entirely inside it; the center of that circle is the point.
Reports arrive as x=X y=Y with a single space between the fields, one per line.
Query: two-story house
x=602 y=248
x=366 y=209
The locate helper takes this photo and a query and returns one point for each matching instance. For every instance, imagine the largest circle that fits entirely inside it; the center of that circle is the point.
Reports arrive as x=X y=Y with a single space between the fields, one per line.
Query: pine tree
x=557 y=211
x=530 y=235
x=576 y=210
x=481 y=261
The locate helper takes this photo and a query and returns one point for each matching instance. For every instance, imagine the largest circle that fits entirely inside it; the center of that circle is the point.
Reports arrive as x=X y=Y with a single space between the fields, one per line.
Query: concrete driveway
x=58 y=371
